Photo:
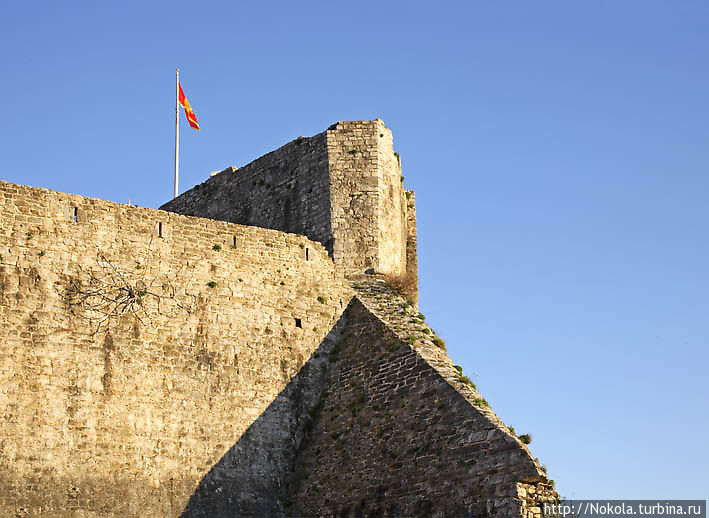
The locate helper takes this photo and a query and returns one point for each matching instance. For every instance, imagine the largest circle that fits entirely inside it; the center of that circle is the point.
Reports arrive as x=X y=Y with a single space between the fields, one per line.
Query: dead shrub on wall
x=105 y=293
x=405 y=285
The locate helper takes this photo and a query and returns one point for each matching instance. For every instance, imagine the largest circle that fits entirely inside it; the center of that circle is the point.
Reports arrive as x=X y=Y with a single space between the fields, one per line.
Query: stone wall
x=534 y=497
x=393 y=221
x=287 y=189
x=251 y=479
x=134 y=418
x=412 y=270
x=401 y=432
x=342 y=187
x=368 y=210
x=155 y=364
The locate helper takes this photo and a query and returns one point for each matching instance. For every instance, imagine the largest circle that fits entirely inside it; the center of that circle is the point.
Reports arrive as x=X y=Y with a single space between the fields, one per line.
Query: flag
x=189 y=113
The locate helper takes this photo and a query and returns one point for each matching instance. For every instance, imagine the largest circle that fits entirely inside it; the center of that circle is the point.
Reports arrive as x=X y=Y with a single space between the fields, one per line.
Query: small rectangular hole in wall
x=298 y=323
x=159 y=229
x=75 y=215
x=307 y=254
x=233 y=243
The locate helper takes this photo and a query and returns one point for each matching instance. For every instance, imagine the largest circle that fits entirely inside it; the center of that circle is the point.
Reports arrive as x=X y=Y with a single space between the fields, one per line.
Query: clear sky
x=558 y=151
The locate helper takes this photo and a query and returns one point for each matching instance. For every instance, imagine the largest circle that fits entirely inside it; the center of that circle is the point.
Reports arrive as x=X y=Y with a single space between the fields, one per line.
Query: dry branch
x=106 y=293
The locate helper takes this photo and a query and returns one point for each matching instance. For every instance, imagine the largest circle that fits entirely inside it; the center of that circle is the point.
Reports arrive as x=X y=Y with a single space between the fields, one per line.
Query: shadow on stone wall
x=381 y=432
x=250 y=480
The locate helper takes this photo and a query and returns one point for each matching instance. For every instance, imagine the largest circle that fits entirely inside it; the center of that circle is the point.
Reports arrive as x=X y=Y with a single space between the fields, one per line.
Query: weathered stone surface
x=127 y=421
x=286 y=189
x=342 y=187
x=412 y=243
x=400 y=431
x=155 y=364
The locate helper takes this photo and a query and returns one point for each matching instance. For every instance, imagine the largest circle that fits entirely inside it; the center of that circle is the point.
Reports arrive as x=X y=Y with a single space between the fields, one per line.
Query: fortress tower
x=342 y=187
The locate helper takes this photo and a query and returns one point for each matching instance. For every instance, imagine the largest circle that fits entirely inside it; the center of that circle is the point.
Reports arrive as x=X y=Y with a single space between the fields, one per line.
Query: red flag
x=189 y=113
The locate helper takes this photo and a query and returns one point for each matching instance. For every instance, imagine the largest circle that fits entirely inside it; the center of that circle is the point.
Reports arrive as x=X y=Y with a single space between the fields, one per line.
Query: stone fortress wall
x=127 y=421
x=255 y=372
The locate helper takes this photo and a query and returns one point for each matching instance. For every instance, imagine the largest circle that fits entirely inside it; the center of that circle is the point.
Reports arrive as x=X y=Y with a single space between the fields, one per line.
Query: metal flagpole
x=177 y=124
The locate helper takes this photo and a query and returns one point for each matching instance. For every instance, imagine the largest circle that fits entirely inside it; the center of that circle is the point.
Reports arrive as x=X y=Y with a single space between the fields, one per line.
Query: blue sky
x=558 y=151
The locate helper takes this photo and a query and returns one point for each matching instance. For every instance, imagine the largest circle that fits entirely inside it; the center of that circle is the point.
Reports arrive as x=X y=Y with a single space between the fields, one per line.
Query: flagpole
x=177 y=123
